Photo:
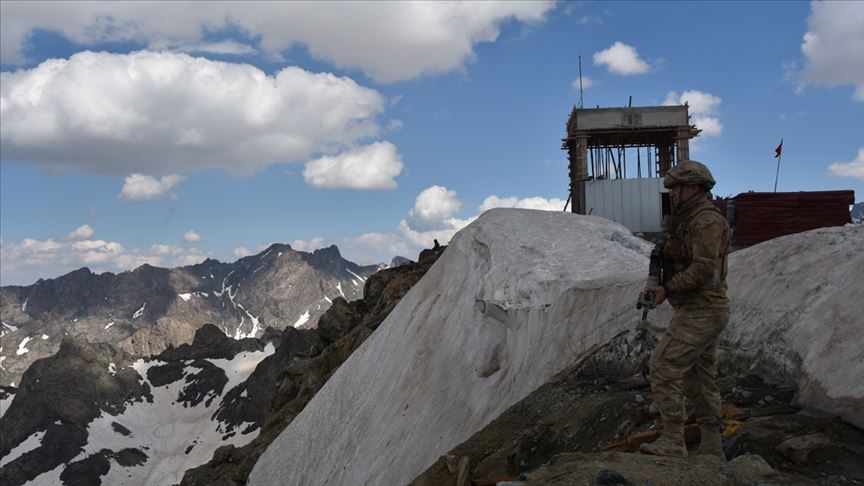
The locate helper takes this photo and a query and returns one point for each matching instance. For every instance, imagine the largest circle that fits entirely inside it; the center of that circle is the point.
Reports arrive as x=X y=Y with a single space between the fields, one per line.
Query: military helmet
x=689 y=172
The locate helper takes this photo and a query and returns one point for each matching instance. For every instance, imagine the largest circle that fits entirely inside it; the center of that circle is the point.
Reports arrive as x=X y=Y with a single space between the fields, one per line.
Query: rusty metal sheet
x=761 y=216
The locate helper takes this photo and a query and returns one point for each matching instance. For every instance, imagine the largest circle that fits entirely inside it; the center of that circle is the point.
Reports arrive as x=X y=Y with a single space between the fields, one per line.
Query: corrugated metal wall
x=762 y=216
x=635 y=203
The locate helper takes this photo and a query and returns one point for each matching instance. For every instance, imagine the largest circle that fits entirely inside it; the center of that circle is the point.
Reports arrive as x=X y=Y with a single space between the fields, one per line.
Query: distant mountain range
x=150 y=309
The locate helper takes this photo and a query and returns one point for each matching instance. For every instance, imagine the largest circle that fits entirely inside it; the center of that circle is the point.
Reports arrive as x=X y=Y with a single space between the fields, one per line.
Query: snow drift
x=798 y=316
x=518 y=296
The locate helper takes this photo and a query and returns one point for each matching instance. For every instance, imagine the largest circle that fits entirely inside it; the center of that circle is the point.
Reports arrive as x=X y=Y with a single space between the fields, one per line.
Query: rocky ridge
x=149 y=309
x=287 y=383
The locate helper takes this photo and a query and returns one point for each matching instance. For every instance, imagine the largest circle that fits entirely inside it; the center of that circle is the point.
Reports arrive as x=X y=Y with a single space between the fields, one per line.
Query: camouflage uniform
x=694 y=270
x=685 y=360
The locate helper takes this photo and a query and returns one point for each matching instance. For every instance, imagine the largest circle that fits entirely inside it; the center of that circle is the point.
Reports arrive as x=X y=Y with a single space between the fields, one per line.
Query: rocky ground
x=584 y=426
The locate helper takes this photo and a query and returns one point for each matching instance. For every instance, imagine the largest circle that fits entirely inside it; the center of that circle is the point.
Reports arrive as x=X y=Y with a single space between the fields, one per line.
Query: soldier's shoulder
x=709 y=218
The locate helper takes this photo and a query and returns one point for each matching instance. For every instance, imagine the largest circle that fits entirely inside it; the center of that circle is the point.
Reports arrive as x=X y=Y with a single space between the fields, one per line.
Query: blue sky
x=171 y=132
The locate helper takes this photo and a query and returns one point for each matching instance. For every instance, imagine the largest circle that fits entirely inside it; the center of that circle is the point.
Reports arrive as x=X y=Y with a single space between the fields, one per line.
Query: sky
x=167 y=133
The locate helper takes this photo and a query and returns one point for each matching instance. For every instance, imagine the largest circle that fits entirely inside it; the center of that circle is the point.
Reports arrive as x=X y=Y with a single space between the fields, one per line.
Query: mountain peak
x=331 y=250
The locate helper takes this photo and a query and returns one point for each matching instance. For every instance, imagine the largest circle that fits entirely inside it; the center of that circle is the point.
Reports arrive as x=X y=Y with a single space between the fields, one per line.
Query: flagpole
x=779 y=156
x=778 y=171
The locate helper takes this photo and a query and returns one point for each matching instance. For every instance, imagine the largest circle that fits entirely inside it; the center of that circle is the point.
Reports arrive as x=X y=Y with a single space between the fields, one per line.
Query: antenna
x=580 y=83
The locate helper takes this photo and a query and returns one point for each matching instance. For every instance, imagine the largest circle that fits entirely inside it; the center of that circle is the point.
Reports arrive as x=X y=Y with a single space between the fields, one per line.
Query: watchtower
x=618 y=158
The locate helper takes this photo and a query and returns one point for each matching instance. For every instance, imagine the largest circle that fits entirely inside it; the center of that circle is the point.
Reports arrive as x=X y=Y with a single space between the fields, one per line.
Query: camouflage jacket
x=694 y=263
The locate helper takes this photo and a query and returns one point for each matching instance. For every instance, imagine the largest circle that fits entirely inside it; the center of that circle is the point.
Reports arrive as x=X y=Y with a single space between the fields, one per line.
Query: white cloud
x=222 y=47
x=700 y=103
x=432 y=217
x=553 y=204
x=398 y=41
x=850 y=169
x=369 y=167
x=373 y=248
x=586 y=83
x=30 y=259
x=433 y=209
x=621 y=58
x=165 y=250
x=160 y=113
x=139 y=187
x=241 y=252
x=191 y=236
x=308 y=245
x=703 y=109
x=82 y=232
x=833 y=45
x=426 y=239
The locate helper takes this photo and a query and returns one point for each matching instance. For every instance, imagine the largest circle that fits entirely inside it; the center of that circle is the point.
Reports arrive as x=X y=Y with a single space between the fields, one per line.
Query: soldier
x=694 y=280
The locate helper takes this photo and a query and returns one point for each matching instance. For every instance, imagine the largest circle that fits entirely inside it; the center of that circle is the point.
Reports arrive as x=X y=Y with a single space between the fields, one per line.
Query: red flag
x=779 y=149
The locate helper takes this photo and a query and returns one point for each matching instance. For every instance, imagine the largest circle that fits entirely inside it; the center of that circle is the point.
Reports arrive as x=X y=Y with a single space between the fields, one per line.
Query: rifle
x=655 y=278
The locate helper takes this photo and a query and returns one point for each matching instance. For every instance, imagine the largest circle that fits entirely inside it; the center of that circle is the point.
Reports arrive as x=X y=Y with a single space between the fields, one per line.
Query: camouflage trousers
x=685 y=363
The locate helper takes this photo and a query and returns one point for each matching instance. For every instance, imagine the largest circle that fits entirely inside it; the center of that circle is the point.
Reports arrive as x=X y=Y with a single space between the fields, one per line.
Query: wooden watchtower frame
x=598 y=140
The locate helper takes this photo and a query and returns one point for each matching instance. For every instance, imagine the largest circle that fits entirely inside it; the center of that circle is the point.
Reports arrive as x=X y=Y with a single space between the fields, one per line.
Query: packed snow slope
x=798 y=316
x=518 y=296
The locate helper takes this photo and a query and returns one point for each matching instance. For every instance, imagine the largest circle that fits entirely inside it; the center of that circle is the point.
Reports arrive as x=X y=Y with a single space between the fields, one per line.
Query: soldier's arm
x=706 y=245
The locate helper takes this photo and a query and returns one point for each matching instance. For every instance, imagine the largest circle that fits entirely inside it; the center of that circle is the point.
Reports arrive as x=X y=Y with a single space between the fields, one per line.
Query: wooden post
x=682 y=140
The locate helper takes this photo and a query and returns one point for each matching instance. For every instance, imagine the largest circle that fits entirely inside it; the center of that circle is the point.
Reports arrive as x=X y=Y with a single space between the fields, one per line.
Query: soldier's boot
x=711 y=444
x=670 y=443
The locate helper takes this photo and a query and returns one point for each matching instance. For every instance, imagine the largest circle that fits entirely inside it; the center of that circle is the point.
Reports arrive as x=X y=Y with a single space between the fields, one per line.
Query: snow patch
x=27 y=445
x=519 y=296
x=328 y=299
x=339 y=288
x=185 y=297
x=139 y=312
x=24 y=305
x=44 y=337
x=301 y=320
x=109 y=324
x=8 y=329
x=50 y=478
x=238 y=333
x=164 y=429
x=256 y=327
x=4 y=403
x=804 y=330
x=362 y=279
x=112 y=369
x=238 y=368
x=22 y=349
